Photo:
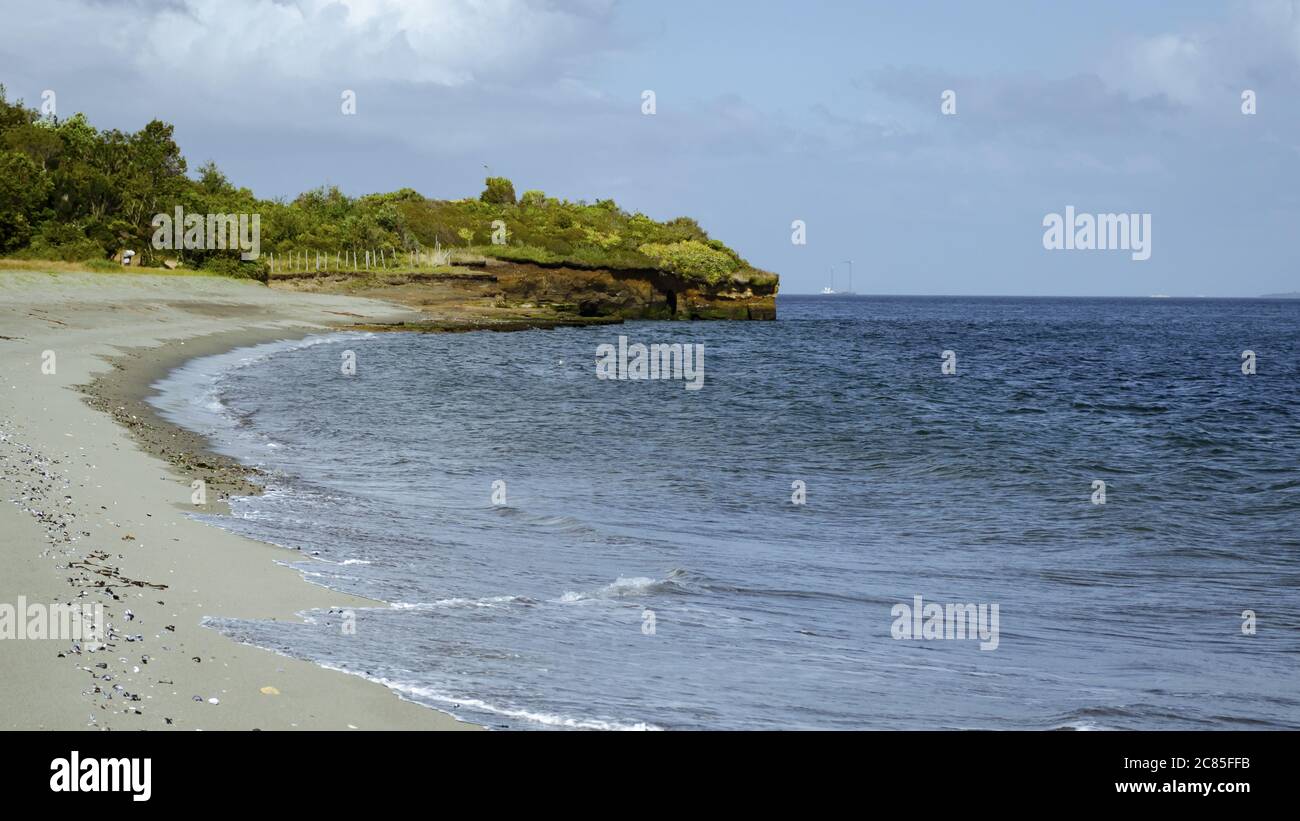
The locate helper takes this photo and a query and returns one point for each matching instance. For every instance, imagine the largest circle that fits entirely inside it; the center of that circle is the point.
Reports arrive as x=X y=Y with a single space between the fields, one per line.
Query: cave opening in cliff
x=671 y=297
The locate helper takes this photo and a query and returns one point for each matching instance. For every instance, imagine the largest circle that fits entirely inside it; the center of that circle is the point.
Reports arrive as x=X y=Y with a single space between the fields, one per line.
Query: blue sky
x=767 y=112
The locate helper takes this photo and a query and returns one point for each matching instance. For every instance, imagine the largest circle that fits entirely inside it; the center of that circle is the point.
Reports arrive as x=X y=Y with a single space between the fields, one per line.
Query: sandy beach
x=94 y=492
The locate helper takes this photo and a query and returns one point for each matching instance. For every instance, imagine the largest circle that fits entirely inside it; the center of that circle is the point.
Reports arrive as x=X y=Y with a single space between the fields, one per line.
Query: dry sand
x=92 y=511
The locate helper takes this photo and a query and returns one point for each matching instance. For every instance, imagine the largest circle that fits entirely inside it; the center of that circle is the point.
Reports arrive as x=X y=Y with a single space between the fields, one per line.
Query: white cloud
x=447 y=42
x=1175 y=65
x=1258 y=45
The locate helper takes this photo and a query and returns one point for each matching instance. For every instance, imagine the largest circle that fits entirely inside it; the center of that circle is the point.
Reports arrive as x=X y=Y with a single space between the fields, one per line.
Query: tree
x=212 y=181
x=153 y=180
x=13 y=114
x=24 y=188
x=40 y=143
x=499 y=191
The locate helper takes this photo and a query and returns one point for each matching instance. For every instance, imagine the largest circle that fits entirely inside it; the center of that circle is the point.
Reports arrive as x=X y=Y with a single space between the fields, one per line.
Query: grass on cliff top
x=544 y=230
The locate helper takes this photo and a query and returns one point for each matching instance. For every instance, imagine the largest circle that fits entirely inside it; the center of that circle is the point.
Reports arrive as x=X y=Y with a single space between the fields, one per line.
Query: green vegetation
x=71 y=192
x=693 y=259
x=499 y=191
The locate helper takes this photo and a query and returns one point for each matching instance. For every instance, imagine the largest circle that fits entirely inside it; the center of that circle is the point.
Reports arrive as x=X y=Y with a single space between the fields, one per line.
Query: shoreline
x=95 y=512
x=124 y=391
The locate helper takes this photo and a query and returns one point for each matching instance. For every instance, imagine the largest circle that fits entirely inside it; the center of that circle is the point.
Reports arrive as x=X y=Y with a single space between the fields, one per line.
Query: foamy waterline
x=190 y=396
x=418 y=692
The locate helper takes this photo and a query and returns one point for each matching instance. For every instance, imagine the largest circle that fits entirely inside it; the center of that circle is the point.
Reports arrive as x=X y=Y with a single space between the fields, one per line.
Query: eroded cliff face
x=496 y=293
x=632 y=294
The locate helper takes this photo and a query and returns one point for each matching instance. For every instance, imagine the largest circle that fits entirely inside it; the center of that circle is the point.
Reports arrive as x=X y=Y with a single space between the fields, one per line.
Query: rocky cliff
x=503 y=294
x=633 y=293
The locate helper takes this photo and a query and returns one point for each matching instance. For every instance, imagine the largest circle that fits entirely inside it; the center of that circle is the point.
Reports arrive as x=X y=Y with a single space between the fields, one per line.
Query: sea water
x=565 y=551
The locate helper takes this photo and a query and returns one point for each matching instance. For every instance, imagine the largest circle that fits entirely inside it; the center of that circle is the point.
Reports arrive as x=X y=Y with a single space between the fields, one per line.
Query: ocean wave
x=260 y=353
x=1129 y=716
x=553 y=720
x=552 y=523
x=441 y=604
x=624 y=587
x=422 y=693
x=1081 y=725
x=190 y=396
x=340 y=563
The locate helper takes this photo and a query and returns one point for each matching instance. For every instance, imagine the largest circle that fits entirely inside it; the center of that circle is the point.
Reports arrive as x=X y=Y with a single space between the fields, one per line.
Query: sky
x=765 y=113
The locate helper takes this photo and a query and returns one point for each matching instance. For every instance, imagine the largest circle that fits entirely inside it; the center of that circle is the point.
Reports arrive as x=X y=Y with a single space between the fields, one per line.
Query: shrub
x=233 y=266
x=692 y=259
x=74 y=251
x=605 y=241
x=63 y=241
x=499 y=191
x=523 y=253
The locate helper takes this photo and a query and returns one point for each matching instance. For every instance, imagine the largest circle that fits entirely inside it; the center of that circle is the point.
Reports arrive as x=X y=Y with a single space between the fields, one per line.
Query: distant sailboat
x=850 y=291
x=829 y=290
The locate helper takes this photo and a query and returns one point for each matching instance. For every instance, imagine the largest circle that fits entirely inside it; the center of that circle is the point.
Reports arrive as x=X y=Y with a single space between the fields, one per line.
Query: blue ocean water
x=632 y=505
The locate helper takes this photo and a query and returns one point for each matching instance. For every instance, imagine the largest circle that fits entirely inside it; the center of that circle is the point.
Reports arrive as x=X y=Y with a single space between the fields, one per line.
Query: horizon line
x=1295 y=295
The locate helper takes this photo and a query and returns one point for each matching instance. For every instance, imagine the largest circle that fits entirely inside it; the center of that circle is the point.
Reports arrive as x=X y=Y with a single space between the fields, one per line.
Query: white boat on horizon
x=829 y=290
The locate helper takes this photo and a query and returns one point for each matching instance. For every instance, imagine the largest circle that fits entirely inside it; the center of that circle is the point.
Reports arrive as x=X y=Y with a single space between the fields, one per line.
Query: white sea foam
x=190 y=395
x=425 y=693
x=624 y=587
x=1083 y=725
x=554 y=720
x=491 y=601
